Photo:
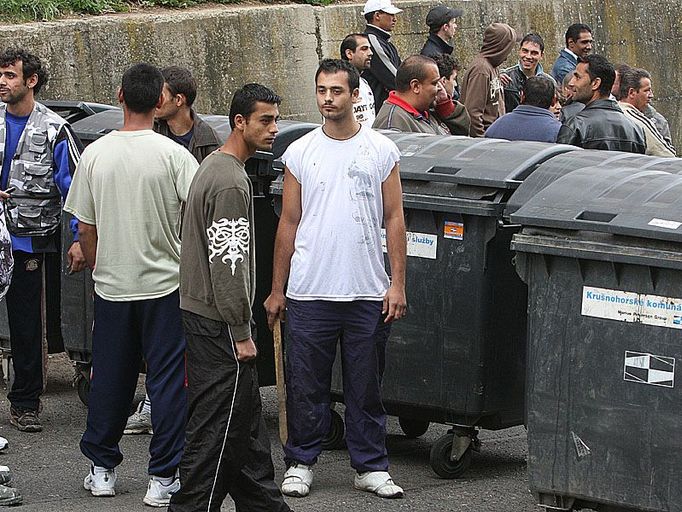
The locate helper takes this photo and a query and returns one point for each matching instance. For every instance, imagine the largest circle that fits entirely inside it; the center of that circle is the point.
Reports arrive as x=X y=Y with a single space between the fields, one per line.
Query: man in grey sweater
x=227 y=447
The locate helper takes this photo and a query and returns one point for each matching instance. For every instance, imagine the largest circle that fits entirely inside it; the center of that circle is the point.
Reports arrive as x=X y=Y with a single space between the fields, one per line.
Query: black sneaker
x=25 y=420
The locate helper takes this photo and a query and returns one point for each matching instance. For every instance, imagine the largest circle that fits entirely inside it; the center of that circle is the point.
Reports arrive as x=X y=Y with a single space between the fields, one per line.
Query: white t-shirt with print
x=364 y=109
x=337 y=252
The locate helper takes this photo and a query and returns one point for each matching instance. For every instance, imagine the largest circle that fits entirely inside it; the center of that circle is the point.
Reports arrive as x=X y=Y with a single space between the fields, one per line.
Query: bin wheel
x=83 y=386
x=413 y=428
x=335 y=440
x=440 y=461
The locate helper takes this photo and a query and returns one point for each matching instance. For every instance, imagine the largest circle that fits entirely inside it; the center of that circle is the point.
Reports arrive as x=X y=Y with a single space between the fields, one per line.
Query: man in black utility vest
x=39 y=153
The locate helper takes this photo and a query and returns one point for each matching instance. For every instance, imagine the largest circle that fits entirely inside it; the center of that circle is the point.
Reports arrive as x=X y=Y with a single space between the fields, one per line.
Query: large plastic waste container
x=77 y=292
x=458 y=358
x=601 y=252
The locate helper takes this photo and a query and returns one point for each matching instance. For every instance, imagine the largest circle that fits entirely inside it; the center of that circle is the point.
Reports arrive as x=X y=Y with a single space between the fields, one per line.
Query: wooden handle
x=281 y=383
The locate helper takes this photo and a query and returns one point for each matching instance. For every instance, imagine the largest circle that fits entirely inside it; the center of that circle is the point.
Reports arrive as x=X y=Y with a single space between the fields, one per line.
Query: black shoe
x=25 y=420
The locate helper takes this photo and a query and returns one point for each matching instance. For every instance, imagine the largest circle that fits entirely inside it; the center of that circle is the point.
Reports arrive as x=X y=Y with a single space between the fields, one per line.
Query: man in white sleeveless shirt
x=341 y=183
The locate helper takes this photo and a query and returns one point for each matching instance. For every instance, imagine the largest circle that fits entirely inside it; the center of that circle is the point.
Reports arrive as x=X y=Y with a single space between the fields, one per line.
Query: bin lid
x=107 y=120
x=93 y=127
x=549 y=171
x=626 y=201
x=74 y=110
x=489 y=163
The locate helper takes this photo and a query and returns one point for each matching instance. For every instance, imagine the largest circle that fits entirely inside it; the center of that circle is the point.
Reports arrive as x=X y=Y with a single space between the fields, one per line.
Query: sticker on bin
x=581 y=449
x=662 y=223
x=632 y=307
x=419 y=245
x=454 y=230
x=649 y=369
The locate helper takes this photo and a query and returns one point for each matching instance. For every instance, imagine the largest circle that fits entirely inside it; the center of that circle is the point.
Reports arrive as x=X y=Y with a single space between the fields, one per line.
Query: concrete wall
x=280 y=45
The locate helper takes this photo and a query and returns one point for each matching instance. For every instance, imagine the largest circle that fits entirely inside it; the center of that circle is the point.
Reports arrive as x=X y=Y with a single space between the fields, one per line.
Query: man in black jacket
x=442 y=22
x=601 y=124
x=381 y=18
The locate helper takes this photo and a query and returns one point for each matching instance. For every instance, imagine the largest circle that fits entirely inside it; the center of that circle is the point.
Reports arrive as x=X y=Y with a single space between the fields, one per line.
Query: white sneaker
x=140 y=422
x=378 y=482
x=158 y=494
x=4 y=444
x=5 y=475
x=297 y=481
x=100 y=481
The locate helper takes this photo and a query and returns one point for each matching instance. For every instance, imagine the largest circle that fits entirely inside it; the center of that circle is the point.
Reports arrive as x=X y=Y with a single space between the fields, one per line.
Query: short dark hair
x=535 y=39
x=141 y=86
x=350 y=42
x=333 y=66
x=599 y=67
x=369 y=17
x=539 y=91
x=446 y=64
x=30 y=65
x=245 y=99
x=632 y=79
x=622 y=69
x=180 y=81
x=573 y=32
x=412 y=68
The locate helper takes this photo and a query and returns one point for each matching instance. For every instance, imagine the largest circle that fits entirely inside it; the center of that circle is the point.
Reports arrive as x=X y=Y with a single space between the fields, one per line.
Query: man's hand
x=395 y=304
x=441 y=96
x=505 y=79
x=275 y=305
x=75 y=258
x=246 y=350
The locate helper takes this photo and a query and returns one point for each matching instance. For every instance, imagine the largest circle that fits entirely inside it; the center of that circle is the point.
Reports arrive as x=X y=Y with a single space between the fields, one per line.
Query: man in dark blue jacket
x=381 y=19
x=578 y=45
x=531 y=120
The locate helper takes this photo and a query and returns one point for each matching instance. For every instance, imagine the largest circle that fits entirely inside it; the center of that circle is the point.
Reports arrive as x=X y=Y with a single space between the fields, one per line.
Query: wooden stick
x=281 y=383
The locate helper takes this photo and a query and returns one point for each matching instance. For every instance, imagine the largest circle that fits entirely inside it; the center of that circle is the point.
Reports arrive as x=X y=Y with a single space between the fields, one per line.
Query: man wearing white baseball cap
x=381 y=18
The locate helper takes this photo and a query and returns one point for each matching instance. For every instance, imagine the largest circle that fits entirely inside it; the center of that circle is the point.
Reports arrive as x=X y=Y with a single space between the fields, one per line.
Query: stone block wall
x=279 y=46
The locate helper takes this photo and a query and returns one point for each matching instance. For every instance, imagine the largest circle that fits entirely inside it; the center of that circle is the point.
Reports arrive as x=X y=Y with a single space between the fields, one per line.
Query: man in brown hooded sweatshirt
x=482 y=92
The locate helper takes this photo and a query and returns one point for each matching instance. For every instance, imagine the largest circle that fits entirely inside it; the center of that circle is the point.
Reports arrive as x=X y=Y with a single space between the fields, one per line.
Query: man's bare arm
x=284 y=246
x=395 y=301
x=87 y=235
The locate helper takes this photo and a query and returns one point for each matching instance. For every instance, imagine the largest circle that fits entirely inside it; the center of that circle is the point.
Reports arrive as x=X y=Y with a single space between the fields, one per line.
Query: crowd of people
x=585 y=101
x=186 y=308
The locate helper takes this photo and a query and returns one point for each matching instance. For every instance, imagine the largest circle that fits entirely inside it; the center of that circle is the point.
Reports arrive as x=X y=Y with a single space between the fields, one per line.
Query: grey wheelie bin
x=601 y=253
x=77 y=292
x=458 y=357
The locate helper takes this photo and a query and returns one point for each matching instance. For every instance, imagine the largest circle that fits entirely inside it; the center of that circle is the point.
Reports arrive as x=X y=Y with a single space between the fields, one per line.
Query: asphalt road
x=49 y=468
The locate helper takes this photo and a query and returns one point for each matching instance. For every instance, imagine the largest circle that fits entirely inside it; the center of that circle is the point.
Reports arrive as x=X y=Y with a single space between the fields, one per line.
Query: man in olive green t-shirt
x=127 y=194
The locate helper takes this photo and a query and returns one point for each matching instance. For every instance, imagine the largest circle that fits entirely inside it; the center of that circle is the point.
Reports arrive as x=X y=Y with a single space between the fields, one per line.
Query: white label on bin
x=649 y=369
x=632 y=307
x=419 y=245
x=668 y=224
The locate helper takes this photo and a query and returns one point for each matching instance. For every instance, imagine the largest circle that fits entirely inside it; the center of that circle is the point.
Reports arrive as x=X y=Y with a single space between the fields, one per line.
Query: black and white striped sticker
x=649 y=369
